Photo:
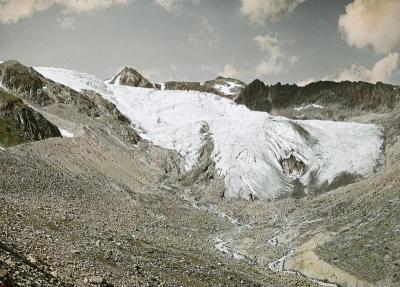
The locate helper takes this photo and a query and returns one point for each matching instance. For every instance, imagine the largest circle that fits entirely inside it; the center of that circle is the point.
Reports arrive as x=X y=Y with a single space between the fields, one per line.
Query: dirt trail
x=307 y=262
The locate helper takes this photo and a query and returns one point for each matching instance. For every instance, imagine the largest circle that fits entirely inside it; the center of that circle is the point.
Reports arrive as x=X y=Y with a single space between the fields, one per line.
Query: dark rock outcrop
x=333 y=96
x=19 y=123
x=292 y=166
x=184 y=86
x=25 y=81
x=361 y=95
x=256 y=97
x=131 y=77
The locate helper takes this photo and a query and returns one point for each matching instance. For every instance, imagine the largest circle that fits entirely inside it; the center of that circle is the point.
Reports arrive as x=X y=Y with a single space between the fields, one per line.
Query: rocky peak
x=131 y=77
x=19 y=123
x=255 y=96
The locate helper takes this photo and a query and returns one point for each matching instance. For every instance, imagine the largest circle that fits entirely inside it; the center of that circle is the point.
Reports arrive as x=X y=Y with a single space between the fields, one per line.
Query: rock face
x=30 y=85
x=19 y=123
x=325 y=97
x=25 y=81
x=185 y=86
x=225 y=87
x=256 y=97
x=131 y=77
x=292 y=166
x=361 y=95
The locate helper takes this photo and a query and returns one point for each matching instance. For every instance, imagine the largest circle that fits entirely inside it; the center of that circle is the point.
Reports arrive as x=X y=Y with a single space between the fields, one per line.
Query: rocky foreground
x=101 y=206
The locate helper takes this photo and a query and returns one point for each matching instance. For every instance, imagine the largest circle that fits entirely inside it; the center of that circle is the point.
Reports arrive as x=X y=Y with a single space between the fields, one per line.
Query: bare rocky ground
x=106 y=208
x=89 y=211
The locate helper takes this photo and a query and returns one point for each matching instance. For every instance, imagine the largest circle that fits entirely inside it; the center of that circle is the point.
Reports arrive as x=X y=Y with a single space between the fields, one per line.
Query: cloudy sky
x=288 y=41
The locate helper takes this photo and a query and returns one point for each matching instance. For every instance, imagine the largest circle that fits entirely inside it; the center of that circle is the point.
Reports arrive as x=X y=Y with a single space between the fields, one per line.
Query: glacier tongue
x=249 y=146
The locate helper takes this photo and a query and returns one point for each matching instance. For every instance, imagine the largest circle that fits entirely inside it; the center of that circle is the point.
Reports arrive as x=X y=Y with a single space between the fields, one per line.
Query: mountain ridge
x=335 y=99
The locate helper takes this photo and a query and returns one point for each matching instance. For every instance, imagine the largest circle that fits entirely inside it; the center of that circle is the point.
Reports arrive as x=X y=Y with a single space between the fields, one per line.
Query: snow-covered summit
x=259 y=156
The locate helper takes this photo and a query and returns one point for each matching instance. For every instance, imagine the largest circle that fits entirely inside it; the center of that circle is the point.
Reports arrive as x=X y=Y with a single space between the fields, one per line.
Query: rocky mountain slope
x=321 y=100
x=20 y=124
x=119 y=203
x=62 y=105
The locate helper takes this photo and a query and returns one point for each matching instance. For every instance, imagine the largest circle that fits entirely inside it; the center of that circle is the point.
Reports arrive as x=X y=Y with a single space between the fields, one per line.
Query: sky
x=287 y=41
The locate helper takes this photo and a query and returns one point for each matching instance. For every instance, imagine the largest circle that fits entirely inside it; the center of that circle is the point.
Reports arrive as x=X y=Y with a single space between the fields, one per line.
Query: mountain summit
x=130 y=77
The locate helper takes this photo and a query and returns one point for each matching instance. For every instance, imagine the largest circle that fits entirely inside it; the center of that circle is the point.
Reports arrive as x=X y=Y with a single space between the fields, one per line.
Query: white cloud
x=168 y=5
x=12 y=11
x=380 y=72
x=270 y=45
x=305 y=82
x=172 y=5
x=293 y=60
x=259 y=11
x=269 y=67
x=67 y=22
x=372 y=23
x=275 y=59
x=230 y=71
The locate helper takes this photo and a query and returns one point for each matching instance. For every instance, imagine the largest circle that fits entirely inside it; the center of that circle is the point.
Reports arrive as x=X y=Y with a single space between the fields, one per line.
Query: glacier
x=249 y=146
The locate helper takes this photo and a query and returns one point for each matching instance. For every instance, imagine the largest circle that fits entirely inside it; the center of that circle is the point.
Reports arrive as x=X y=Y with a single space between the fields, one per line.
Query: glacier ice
x=248 y=145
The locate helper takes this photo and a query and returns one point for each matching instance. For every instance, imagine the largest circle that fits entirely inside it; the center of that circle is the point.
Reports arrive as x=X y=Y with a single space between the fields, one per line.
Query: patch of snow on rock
x=248 y=146
x=309 y=106
x=228 y=88
x=66 y=133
